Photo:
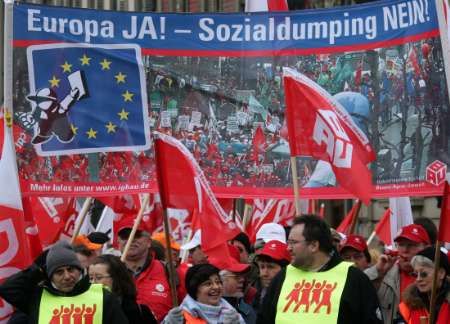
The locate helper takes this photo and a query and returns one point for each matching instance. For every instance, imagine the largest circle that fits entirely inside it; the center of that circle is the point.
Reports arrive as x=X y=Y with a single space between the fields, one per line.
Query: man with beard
x=318 y=286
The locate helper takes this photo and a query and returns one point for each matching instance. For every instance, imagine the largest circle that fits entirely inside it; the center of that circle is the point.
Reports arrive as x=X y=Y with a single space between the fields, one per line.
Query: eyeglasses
x=294 y=242
x=420 y=274
x=407 y=245
x=98 y=278
x=125 y=234
x=354 y=256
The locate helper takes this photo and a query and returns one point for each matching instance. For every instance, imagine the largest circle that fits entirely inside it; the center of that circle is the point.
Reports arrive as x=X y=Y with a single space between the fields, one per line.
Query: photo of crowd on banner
x=229 y=112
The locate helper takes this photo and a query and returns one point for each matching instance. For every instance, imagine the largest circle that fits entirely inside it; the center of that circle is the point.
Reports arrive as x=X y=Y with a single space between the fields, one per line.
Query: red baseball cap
x=415 y=233
x=276 y=250
x=127 y=221
x=356 y=242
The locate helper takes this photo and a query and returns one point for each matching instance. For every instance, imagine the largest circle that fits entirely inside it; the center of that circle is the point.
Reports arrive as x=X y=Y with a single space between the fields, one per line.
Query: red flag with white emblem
x=183 y=186
x=320 y=127
x=14 y=246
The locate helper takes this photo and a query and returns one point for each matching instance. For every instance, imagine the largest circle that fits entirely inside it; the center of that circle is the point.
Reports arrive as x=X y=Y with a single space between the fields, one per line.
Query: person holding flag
x=149 y=274
x=391 y=275
x=318 y=286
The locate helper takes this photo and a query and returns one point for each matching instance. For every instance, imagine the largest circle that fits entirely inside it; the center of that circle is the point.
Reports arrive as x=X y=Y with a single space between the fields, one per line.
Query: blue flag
x=87 y=98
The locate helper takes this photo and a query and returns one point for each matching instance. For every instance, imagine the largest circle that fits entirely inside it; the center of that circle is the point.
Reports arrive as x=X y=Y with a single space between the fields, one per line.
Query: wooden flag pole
x=247 y=215
x=437 y=256
x=137 y=221
x=371 y=237
x=172 y=283
x=295 y=183
x=84 y=210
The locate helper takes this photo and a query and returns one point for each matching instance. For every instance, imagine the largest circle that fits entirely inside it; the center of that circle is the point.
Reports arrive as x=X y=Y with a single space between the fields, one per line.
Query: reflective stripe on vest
x=311 y=297
x=86 y=308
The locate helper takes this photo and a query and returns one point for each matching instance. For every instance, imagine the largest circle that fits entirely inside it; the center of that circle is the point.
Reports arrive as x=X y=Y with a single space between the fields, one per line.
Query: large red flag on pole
x=14 y=245
x=444 y=222
x=383 y=228
x=346 y=224
x=183 y=185
x=320 y=127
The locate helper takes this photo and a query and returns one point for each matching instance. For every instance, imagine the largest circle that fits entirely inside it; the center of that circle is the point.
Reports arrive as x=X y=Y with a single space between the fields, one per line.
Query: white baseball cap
x=271 y=232
x=194 y=242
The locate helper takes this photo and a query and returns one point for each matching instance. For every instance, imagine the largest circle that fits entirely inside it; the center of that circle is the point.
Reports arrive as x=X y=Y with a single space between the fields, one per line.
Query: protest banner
x=222 y=65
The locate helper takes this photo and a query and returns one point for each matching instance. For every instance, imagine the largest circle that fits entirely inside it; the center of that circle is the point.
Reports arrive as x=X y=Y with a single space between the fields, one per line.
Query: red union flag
x=320 y=127
x=14 y=247
x=444 y=222
x=183 y=186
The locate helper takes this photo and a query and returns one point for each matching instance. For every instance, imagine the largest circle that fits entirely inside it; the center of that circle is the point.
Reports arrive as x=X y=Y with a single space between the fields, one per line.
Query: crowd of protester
x=307 y=272
x=399 y=81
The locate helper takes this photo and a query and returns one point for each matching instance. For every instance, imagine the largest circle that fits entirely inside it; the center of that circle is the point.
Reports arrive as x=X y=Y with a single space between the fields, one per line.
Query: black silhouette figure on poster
x=50 y=113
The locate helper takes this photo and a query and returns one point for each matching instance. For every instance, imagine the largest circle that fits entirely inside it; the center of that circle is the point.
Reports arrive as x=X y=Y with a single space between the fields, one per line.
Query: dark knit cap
x=61 y=254
x=198 y=274
x=243 y=238
x=429 y=253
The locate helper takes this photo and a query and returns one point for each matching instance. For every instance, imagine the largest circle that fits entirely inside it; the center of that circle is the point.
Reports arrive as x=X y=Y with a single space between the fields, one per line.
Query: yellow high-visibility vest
x=311 y=297
x=86 y=308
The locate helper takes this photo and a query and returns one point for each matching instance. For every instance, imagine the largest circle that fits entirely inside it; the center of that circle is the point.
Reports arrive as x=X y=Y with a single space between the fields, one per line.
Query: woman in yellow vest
x=204 y=303
x=416 y=298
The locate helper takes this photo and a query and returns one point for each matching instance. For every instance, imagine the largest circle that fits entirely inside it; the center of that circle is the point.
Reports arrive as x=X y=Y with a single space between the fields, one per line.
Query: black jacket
x=24 y=290
x=359 y=301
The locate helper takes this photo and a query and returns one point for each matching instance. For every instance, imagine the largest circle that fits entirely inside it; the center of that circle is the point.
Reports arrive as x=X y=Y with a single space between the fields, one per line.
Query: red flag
x=412 y=57
x=14 y=245
x=50 y=215
x=345 y=225
x=320 y=127
x=383 y=228
x=280 y=211
x=444 y=222
x=122 y=204
x=258 y=143
x=183 y=185
x=266 y=5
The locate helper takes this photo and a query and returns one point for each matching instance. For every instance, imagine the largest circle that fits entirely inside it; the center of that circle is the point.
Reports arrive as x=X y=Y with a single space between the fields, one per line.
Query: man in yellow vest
x=55 y=289
x=318 y=286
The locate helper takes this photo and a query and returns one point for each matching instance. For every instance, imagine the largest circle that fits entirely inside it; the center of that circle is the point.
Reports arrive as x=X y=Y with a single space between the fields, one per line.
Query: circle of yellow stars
x=120 y=77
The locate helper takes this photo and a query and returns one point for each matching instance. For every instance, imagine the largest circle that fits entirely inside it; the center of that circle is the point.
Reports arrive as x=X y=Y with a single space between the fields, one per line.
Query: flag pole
x=84 y=210
x=437 y=257
x=247 y=215
x=371 y=237
x=137 y=221
x=173 y=289
x=295 y=183
x=162 y=194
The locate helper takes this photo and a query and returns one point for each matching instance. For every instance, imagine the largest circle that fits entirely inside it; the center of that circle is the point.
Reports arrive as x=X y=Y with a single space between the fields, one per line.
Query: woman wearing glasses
x=112 y=273
x=416 y=298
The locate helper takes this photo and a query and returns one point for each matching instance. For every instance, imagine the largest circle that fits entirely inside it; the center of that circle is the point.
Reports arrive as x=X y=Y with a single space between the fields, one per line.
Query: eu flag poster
x=87 y=98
